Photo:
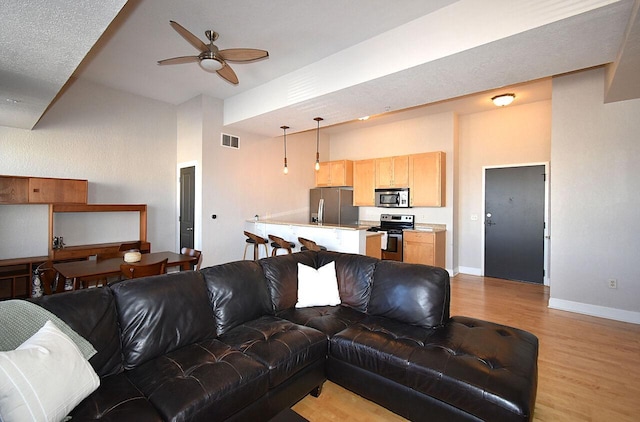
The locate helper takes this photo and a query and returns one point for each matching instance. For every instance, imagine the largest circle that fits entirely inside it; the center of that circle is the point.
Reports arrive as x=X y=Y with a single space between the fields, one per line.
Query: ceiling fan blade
x=179 y=60
x=227 y=73
x=191 y=39
x=243 y=54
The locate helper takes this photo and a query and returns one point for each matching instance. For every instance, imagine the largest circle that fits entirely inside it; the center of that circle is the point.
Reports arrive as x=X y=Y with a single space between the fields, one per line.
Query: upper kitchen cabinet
x=41 y=190
x=335 y=173
x=427 y=179
x=392 y=172
x=364 y=180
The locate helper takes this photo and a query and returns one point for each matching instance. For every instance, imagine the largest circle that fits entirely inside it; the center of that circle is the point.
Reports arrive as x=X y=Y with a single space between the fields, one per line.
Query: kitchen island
x=339 y=238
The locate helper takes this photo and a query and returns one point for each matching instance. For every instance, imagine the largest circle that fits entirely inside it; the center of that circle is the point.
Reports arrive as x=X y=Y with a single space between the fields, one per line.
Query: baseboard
x=470 y=270
x=595 y=310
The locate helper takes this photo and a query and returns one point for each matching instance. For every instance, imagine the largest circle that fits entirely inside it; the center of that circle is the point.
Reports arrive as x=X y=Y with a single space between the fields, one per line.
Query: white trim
x=470 y=270
x=595 y=310
x=547 y=236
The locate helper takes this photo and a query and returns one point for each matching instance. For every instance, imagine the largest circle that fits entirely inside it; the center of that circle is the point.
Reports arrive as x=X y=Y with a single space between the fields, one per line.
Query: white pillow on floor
x=44 y=378
x=317 y=287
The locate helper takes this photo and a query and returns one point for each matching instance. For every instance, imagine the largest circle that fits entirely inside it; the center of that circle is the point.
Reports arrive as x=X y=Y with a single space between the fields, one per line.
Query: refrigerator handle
x=320 y=210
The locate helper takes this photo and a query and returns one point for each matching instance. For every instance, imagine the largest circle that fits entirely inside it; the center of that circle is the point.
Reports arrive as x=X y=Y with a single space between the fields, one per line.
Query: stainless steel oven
x=393 y=225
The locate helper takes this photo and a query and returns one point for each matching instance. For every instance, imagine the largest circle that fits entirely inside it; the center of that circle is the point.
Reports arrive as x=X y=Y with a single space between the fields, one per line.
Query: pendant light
x=318 y=119
x=284 y=129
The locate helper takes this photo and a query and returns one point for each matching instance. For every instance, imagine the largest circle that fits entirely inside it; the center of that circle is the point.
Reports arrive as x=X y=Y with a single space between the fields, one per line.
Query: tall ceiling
x=336 y=59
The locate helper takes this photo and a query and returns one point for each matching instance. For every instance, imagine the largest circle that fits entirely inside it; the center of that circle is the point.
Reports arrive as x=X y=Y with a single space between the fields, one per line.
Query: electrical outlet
x=612 y=283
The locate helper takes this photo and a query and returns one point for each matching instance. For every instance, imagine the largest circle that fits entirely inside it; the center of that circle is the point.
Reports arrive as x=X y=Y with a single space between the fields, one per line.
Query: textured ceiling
x=338 y=60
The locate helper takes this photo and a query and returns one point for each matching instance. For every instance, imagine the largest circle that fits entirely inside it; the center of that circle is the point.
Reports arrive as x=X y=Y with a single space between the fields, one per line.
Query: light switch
x=474 y=217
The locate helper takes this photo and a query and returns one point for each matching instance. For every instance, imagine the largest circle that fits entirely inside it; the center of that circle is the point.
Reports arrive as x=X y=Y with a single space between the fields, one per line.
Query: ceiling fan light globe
x=211 y=65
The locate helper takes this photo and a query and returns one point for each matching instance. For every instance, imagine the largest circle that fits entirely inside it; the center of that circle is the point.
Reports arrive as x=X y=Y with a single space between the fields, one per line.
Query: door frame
x=547 y=225
x=197 y=220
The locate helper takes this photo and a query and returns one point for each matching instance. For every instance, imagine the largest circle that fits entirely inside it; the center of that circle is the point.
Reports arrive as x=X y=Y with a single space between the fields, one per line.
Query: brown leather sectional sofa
x=228 y=343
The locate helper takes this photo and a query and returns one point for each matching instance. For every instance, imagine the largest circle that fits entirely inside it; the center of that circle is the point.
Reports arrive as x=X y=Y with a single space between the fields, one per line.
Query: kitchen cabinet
x=364 y=182
x=422 y=247
x=335 y=173
x=427 y=179
x=392 y=172
x=42 y=190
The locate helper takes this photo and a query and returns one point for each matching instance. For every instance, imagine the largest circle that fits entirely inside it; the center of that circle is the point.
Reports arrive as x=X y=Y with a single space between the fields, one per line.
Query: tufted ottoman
x=474 y=369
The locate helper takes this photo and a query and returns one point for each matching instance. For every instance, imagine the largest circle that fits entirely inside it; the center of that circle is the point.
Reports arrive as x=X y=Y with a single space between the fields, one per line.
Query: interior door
x=514 y=223
x=187 y=206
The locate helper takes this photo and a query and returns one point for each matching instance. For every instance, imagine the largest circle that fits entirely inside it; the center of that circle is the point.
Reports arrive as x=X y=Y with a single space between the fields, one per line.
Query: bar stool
x=256 y=241
x=310 y=245
x=280 y=243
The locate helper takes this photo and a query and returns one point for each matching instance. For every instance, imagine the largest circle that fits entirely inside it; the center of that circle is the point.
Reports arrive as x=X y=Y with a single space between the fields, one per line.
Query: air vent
x=229 y=141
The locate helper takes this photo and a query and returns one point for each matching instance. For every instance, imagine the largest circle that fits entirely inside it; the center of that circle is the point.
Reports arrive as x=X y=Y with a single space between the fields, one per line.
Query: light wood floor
x=588 y=367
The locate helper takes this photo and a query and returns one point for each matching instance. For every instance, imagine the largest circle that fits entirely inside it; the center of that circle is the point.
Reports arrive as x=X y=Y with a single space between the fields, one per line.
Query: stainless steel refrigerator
x=332 y=206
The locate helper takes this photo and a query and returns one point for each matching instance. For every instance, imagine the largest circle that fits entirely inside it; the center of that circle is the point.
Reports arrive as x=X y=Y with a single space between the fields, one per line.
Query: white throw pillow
x=44 y=378
x=317 y=287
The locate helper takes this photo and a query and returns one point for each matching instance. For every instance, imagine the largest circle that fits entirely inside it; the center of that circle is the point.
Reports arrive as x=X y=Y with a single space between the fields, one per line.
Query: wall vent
x=230 y=141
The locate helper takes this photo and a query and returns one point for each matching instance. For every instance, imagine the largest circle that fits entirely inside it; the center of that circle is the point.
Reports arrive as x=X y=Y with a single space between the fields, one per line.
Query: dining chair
x=143 y=270
x=50 y=280
x=193 y=252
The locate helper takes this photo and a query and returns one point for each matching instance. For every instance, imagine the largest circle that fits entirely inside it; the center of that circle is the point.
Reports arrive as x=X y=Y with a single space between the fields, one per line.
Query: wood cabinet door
x=392 y=172
x=401 y=171
x=14 y=190
x=384 y=172
x=364 y=181
x=427 y=179
x=52 y=191
x=323 y=176
x=419 y=248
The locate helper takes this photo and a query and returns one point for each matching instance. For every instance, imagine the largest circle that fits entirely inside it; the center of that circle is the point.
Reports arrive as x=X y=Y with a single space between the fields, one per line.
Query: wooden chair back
x=50 y=279
x=309 y=244
x=193 y=252
x=283 y=244
x=143 y=270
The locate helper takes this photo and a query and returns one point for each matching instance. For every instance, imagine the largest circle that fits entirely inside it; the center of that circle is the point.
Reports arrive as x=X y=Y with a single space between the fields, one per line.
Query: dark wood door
x=187 y=206
x=514 y=223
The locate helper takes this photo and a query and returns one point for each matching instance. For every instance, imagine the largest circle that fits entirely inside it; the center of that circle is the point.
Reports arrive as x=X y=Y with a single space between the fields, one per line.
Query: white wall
x=595 y=199
x=122 y=143
x=238 y=184
x=517 y=134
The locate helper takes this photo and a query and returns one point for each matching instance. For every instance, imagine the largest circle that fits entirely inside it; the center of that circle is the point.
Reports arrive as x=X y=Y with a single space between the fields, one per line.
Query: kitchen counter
x=346 y=238
x=326 y=226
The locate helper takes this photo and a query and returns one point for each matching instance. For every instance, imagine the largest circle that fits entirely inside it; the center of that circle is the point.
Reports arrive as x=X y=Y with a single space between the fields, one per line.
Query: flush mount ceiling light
x=318 y=119
x=363 y=118
x=503 y=99
x=284 y=129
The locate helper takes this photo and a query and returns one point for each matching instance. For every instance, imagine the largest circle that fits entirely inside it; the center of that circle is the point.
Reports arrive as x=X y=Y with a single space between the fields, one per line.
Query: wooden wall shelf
x=83 y=251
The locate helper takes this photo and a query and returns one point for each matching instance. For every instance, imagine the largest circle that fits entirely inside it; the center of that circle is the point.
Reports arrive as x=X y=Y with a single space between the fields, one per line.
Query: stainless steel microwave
x=392 y=198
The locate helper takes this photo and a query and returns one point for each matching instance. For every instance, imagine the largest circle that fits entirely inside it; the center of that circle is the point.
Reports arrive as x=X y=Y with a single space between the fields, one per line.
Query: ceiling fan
x=211 y=58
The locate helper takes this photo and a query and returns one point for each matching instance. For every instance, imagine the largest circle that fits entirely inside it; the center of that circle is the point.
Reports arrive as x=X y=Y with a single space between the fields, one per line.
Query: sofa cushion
x=92 y=314
x=116 y=400
x=317 y=287
x=328 y=319
x=237 y=292
x=283 y=347
x=281 y=273
x=162 y=313
x=410 y=293
x=44 y=377
x=355 y=275
x=207 y=381
x=484 y=369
